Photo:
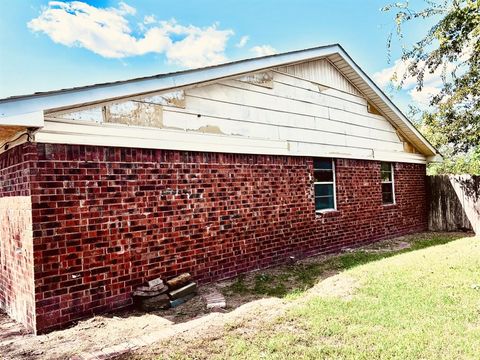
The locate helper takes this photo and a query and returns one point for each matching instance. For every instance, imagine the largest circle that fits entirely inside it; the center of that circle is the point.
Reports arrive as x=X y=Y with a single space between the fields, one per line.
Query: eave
x=28 y=110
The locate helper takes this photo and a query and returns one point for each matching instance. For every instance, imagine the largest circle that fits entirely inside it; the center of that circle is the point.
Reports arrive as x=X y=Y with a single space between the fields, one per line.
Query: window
x=388 y=187
x=324 y=183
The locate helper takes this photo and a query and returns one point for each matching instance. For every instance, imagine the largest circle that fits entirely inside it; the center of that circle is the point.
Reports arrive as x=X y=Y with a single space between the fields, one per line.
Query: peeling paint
x=174 y=98
x=322 y=88
x=93 y=114
x=372 y=109
x=210 y=129
x=407 y=146
x=264 y=79
x=135 y=113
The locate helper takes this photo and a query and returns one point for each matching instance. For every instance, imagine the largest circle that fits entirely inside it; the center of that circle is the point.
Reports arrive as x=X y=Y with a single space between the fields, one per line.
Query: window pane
x=323 y=175
x=387 y=193
x=386 y=176
x=324 y=192
x=387 y=198
x=324 y=202
x=386 y=166
x=387 y=187
x=325 y=164
x=323 y=189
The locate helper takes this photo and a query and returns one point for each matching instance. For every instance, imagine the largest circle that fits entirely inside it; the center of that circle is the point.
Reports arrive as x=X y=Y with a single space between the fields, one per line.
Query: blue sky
x=52 y=45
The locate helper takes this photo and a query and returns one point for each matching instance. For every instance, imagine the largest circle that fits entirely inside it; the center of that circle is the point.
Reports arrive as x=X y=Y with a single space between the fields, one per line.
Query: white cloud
x=384 y=76
x=106 y=32
x=395 y=74
x=263 y=50
x=432 y=82
x=424 y=96
x=243 y=41
x=125 y=9
x=149 y=19
x=198 y=47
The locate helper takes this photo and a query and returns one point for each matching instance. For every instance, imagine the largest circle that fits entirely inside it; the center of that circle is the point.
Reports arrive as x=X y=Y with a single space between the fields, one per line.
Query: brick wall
x=16 y=245
x=106 y=219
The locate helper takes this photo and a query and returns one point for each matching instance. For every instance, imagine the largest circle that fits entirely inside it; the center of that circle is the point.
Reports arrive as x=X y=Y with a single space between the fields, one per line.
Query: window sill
x=390 y=205
x=327 y=212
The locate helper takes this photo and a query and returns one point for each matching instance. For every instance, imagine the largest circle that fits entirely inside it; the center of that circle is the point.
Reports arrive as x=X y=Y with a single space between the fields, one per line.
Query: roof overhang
x=30 y=108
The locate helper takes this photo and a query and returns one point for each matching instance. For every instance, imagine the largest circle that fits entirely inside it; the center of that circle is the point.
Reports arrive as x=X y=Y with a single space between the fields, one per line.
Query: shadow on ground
x=293 y=279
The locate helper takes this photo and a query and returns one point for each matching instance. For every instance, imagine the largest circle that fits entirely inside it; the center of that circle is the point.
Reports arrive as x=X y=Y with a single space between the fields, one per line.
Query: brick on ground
x=215 y=300
x=155 y=282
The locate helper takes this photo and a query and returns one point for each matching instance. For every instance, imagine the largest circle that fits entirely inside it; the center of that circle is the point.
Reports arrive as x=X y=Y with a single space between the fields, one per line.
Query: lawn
x=420 y=302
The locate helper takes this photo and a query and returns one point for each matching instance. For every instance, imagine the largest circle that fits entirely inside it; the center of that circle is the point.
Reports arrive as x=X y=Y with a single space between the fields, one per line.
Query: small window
x=324 y=184
x=388 y=187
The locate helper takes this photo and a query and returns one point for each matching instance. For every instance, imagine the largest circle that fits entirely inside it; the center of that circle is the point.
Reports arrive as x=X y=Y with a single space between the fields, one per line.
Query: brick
x=122 y=216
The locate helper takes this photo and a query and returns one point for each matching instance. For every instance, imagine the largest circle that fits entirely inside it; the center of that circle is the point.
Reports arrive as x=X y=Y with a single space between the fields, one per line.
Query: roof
x=28 y=110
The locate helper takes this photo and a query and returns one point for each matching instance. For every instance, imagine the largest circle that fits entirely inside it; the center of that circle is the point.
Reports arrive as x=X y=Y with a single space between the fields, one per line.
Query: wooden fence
x=454 y=202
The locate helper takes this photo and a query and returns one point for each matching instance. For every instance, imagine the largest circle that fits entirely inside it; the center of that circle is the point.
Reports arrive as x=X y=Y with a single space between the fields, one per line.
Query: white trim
x=386 y=100
x=30 y=119
x=334 y=183
x=334 y=186
x=111 y=91
x=388 y=182
x=393 y=183
x=71 y=98
x=435 y=158
x=149 y=138
x=88 y=133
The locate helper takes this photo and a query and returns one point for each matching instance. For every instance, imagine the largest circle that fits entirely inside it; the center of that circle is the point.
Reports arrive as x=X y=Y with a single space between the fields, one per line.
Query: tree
x=452 y=45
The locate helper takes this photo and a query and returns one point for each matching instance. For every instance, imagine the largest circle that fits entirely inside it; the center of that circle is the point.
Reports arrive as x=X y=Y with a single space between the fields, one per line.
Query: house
x=215 y=171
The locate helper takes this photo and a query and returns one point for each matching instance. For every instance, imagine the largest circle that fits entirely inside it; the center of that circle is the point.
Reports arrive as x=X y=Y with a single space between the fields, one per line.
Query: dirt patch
x=10 y=330
x=245 y=320
x=179 y=323
x=339 y=286
x=86 y=335
x=388 y=246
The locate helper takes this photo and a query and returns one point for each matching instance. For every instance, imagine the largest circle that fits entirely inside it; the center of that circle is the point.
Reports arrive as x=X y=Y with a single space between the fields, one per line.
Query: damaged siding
x=135 y=114
x=278 y=112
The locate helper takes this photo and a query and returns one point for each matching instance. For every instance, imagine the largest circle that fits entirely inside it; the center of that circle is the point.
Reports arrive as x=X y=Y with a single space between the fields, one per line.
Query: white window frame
x=389 y=182
x=327 y=183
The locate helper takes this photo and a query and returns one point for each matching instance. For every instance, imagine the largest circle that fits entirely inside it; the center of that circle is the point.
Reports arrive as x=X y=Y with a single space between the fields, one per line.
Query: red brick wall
x=16 y=244
x=106 y=219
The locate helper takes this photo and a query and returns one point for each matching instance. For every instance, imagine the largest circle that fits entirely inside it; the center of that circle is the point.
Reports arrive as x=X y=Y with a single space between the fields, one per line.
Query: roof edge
x=386 y=99
x=15 y=107
x=92 y=94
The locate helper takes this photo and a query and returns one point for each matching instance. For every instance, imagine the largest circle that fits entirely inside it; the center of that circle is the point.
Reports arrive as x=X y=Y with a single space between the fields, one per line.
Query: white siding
x=294 y=117
x=321 y=72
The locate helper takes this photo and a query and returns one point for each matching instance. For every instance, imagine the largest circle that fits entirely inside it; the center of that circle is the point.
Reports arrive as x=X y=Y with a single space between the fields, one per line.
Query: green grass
x=417 y=303
x=291 y=281
x=420 y=304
